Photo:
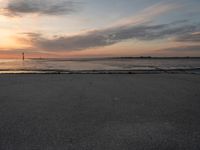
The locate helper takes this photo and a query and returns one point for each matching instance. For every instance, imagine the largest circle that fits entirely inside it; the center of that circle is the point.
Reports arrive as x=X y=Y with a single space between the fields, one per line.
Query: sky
x=99 y=28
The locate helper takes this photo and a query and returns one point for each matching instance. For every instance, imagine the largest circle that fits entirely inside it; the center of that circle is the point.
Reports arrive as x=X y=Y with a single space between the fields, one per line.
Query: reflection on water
x=98 y=64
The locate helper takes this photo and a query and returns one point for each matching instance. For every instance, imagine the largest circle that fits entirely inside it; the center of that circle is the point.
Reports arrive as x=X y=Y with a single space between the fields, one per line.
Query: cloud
x=147 y=14
x=191 y=48
x=132 y=28
x=151 y=32
x=110 y=36
x=40 y=7
x=192 y=37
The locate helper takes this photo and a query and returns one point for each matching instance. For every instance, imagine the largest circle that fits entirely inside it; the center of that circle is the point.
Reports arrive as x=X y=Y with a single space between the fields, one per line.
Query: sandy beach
x=99 y=112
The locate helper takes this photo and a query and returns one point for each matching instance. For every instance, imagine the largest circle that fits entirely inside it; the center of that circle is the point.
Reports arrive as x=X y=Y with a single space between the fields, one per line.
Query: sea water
x=34 y=65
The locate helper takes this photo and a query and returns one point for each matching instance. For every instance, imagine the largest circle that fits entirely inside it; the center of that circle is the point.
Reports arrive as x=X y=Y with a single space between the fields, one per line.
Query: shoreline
x=129 y=71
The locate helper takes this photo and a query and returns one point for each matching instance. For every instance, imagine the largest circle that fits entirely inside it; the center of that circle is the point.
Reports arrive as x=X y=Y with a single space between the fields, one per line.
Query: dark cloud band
x=193 y=37
x=191 y=48
x=110 y=36
x=41 y=7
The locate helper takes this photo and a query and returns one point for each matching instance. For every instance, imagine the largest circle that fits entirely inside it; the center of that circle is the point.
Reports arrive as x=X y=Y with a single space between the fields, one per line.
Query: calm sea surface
x=13 y=65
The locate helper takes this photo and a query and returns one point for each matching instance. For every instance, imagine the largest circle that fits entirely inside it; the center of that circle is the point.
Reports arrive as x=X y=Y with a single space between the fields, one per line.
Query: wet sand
x=100 y=112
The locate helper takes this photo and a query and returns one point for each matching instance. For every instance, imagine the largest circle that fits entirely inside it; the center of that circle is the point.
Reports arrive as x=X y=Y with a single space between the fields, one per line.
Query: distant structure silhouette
x=23 y=57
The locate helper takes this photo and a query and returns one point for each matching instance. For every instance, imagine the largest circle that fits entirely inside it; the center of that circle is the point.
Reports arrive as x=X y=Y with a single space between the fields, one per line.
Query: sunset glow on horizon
x=91 y=28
